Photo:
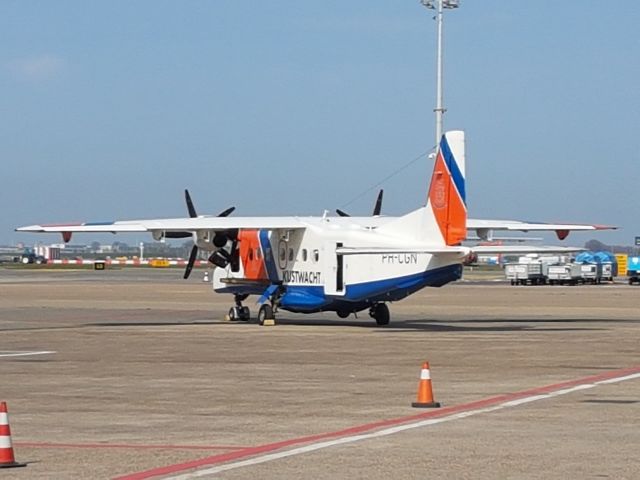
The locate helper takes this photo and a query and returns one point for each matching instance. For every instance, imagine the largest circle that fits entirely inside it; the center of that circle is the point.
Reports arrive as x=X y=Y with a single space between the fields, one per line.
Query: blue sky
x=110 y=109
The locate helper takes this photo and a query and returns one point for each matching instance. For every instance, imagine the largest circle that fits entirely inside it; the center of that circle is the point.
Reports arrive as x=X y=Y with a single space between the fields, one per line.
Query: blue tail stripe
x=452 y=165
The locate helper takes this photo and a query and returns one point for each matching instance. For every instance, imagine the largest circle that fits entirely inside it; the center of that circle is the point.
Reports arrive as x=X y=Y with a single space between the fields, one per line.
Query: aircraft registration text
x=400 y=258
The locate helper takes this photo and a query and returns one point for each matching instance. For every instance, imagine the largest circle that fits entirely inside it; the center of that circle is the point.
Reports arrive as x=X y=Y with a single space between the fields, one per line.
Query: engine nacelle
x=485 y=234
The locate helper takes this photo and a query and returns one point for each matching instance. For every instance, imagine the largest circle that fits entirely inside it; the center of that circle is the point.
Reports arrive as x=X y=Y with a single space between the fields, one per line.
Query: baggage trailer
x=591 y=273
x=567 y=273
x=607 y=271
x=533 y=273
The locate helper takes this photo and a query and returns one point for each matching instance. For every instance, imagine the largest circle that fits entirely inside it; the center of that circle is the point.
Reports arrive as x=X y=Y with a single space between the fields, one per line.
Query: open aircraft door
x=334 y=269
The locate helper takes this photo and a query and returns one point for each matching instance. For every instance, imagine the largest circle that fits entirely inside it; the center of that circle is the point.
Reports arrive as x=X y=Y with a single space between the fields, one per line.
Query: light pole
x=439 y=6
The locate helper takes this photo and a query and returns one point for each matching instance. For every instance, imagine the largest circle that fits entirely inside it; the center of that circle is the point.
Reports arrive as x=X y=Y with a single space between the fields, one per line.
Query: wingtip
x=30 y=228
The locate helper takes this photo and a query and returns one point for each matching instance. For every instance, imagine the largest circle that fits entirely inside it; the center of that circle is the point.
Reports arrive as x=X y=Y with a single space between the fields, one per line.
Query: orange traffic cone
x=425 y=393
x=7 y=459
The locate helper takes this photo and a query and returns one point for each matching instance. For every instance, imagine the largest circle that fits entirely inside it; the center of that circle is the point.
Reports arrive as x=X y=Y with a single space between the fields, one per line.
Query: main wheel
x=343 y=313
x=265 y=313
x=380 y=312
x=234 y=314
x=245 y=314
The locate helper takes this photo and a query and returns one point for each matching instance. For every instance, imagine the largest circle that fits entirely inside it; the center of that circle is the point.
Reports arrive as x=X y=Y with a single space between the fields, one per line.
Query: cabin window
x=291 y=257
x=258 y=254
x=316 y=255
x=250 y=254
x=304 y=254
x=283 y=253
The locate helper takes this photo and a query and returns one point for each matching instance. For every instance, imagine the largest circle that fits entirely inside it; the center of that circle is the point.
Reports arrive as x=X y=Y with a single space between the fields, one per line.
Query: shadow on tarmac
x=399 y=325
x=438 y=325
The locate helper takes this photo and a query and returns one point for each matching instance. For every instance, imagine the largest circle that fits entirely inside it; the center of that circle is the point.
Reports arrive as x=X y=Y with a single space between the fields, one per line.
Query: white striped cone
x=425 y=392
x=7 y=460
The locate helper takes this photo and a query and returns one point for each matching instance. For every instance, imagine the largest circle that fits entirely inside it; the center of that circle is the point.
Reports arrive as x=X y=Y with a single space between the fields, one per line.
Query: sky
x=109 y=110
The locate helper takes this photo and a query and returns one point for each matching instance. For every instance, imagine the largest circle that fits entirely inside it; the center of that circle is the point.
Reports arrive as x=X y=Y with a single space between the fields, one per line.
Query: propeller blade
x=227 y=212
x=190 y=207
x=341 y=213
x=192 y=260
x=378 y=208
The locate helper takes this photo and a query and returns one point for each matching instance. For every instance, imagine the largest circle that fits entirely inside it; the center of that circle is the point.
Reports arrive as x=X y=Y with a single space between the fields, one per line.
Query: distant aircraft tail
x=443 y=221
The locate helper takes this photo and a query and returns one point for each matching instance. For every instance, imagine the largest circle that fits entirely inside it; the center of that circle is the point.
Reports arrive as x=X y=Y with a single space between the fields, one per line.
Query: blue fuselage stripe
x=358 y=296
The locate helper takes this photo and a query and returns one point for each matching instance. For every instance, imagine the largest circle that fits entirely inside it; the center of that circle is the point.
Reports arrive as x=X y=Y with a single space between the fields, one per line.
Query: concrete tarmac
x=147 y=377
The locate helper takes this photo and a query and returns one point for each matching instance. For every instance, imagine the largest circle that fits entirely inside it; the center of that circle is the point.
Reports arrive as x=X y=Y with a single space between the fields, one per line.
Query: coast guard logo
x=439 y=197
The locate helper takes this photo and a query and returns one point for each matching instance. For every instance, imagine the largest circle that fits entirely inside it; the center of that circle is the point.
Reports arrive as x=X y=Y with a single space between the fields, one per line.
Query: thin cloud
x=37 y=68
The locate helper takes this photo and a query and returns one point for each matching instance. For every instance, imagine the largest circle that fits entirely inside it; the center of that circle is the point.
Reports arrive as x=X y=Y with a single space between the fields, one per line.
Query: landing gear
x=265 y=313
x=380 y=312
x=239 y=312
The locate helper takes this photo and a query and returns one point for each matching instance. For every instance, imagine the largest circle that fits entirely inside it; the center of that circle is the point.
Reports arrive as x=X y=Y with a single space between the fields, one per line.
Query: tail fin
x=443 y=221
x=447 y=196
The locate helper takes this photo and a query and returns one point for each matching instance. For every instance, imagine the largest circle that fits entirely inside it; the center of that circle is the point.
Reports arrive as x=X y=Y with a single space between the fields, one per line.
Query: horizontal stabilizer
x=390 y=251
x=521 y=249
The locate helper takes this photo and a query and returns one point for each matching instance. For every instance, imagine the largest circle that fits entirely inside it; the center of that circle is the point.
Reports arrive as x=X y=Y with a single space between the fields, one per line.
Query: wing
x=484 y=228
x=171 y=225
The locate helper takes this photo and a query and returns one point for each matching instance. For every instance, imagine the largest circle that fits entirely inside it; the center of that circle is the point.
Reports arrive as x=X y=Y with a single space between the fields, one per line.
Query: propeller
x=194 y=250
x=376 y=209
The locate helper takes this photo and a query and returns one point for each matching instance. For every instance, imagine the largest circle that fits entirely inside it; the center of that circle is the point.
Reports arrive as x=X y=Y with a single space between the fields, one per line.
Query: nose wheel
x=380 y=313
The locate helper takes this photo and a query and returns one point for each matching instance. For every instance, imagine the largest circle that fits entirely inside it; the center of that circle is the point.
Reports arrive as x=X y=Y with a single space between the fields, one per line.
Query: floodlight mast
x=439 y=6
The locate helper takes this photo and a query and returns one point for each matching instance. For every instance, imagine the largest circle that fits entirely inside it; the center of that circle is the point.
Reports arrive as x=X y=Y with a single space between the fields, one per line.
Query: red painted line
x=478 y=404
x=126 y=446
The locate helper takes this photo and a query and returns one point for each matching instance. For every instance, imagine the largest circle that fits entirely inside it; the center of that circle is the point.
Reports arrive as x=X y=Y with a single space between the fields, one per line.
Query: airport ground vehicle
x=633 y=270
x=29 y=256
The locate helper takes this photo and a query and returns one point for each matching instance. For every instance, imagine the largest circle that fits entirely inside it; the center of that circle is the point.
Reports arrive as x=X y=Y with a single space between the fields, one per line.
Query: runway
x=141 y=378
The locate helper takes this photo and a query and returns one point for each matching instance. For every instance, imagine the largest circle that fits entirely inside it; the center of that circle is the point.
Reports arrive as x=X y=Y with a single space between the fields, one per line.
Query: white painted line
x=23 y=354
x=392 y=430
x=620 y=379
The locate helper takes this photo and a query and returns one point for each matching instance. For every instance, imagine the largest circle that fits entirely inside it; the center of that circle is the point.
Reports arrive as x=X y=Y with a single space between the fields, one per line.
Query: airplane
x=341 y=264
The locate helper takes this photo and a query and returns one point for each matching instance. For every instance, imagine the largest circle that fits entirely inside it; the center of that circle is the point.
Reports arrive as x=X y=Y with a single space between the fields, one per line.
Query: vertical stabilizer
x=443 y=221
x=447 y=196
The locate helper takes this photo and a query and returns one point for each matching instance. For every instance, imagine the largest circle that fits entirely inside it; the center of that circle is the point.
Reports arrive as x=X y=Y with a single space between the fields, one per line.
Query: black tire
x=381 y=314
x=265 y=313
x=234 y=315
x=343 y=313
x=245 y=314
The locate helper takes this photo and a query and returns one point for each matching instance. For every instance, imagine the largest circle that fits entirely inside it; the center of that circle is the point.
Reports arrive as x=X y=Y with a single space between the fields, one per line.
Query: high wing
x=170 y=225
x=484 y=228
